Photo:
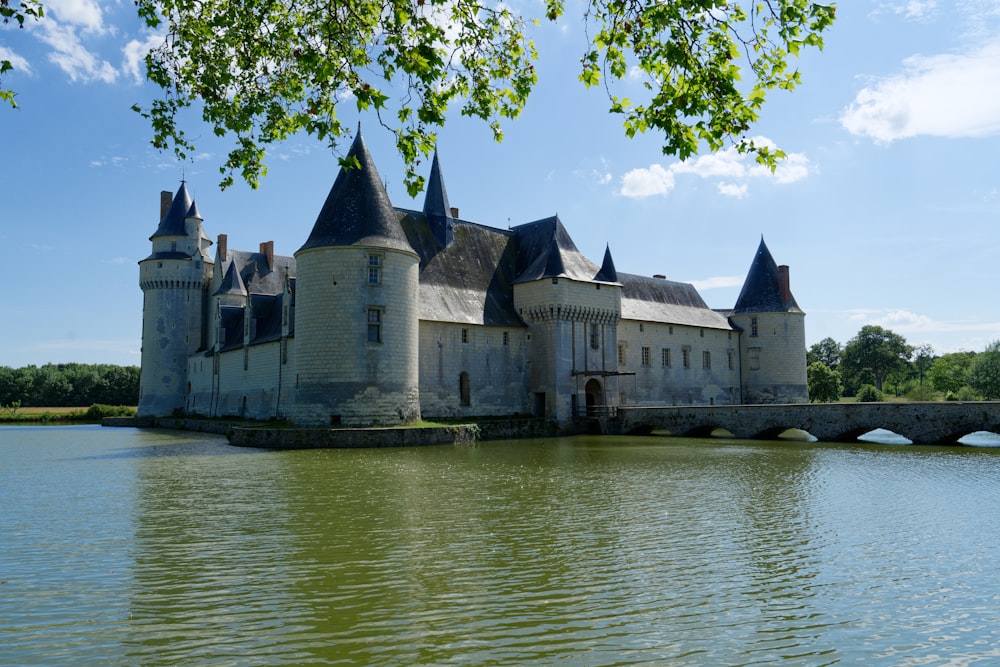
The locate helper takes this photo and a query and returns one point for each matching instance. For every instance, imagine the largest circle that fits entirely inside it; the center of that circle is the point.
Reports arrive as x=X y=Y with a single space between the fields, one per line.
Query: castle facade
x=386 y=316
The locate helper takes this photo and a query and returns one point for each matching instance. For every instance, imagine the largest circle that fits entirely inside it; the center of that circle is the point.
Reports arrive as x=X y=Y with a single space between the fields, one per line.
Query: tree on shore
x=984 y=372
x=950 y=372
x=260 y=72
x=828 y=352
x=824 y=383
x=875 y=352
x=69 y=385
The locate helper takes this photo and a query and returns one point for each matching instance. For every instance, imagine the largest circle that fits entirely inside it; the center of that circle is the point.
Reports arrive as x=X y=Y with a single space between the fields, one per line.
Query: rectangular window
x=754 y=358
x=665 y=356
x=374 y=325
x=706 y=360
x=753 y=327
x=732 y=356
x=595 y=336
x=506 y=338
x=642 y=327
x=374 y=269
x=645 y=356
x=621 y=354
x=465 y=335
x=686 y=357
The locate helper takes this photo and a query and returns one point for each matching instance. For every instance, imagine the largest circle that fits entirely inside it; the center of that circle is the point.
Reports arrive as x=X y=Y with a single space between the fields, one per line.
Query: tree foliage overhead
x=18 y=12
x=264 y=70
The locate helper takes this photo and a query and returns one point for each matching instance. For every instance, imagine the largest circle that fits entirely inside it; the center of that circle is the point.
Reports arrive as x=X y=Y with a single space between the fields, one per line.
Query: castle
x=386 y=316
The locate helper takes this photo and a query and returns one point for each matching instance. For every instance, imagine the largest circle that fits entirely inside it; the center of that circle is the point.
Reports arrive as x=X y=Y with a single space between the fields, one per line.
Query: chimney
x=783 y=284
x=222 y=247
x=659 y=276
x=454 y=212
x=267 y=249
x=166 y=198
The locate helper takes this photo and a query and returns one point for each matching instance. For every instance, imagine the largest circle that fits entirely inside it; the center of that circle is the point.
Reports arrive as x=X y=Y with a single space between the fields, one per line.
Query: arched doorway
x=595 y=396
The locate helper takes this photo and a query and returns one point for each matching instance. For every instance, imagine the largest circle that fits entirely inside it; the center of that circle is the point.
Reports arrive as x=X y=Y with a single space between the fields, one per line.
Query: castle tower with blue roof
x=174 y=280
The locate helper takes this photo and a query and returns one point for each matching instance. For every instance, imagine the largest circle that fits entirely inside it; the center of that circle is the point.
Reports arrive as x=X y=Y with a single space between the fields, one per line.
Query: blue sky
x=887 y=210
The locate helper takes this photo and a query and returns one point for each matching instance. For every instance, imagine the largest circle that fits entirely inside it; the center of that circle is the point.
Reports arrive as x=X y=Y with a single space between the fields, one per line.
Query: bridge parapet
x=923 y=423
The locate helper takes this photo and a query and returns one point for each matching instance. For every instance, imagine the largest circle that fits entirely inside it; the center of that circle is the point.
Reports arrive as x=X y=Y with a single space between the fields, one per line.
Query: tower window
x=754 y=353
x=595 y=333
x=465 y=335
x=706 y=360
x=753 y=327
x=374 y=325
x=645 y=356
x=464 y=390
x=621 y=354
x=686 y=357
x=374 y=269
x=506 y=338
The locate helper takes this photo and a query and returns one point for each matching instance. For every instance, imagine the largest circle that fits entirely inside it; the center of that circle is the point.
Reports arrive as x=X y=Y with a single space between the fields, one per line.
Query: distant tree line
x=878 y=361
x=69 y=385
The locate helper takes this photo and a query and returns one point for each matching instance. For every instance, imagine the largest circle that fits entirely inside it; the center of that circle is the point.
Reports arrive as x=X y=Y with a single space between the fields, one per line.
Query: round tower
x=174 y=281
x=773 y=337
x=356 y=337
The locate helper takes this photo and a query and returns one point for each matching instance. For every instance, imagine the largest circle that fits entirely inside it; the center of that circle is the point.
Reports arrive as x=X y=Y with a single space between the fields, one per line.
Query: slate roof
x=471 y=280
x=667 y=301
x=232 y=282
x=761 y=292
x=172 y=222
x=357 y=211
x=545 y=250
x=255 y=275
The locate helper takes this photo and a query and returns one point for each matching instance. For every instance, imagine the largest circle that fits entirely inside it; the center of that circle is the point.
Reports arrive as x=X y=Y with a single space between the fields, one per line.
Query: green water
x=129 y=547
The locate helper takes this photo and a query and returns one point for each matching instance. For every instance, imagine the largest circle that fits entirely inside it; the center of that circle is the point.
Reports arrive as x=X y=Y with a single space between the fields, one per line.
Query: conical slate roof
x=761 y=292
x=358 y=211
x=232 y=282
x=608 y=273
x=545 y=250
x=172 y=223
x=436 y=199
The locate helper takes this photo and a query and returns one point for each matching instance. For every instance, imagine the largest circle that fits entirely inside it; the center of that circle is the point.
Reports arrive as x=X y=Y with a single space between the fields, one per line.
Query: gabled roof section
x=255 y=274
x=545 y=250
x=172 y=223
x=232 y=282
x=667 y=301
x=608 y=273
x=762 y=291
x=358 y=211
x=436 y=198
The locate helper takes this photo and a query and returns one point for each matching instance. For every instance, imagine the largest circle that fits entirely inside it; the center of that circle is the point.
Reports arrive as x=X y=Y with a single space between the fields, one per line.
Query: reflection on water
x=141 y=547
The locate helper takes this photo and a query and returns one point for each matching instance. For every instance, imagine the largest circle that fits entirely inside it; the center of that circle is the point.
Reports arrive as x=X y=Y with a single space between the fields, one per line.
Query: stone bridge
x=942 y=422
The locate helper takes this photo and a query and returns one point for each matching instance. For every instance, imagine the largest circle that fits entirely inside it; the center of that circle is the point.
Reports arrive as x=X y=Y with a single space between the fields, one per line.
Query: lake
x=145 y=547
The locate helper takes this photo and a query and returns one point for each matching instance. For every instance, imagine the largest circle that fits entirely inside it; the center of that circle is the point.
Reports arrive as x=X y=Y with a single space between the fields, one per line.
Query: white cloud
x=20 y=64
x=134 y=52
x=729 y=167
x=733 y=190
x=948 y=95
x=83 y=13
x=908 y=322
x=717 y=282
x=654 y=180
x=71 y=56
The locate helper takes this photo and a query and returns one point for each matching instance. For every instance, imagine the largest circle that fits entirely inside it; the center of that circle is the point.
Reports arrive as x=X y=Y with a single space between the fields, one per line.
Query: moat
x=128 y=546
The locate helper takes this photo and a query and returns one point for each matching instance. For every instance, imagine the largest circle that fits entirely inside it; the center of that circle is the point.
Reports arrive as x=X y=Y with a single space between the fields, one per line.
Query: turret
x=439 y=213
x=174 y=280
x=356 y=340
x=773 y=347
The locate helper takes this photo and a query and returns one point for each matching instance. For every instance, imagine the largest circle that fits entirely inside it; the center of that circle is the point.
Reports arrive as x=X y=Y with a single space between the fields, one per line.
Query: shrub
x=869 y=394
x=921 y=392
x=99 y=411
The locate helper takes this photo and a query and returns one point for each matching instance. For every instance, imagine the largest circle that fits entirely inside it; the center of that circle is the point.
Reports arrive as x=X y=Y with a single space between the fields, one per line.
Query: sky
x=886 y=210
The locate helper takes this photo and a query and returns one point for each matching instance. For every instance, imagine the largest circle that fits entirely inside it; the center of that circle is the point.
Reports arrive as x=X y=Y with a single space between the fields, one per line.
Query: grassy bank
x=39 y=415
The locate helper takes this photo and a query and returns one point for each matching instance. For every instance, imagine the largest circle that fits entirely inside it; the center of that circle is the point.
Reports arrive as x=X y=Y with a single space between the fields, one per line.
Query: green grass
x=61 y=415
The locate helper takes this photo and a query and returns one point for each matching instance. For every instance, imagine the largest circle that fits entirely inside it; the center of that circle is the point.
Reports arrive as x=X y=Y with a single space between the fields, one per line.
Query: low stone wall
x=351 y=438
